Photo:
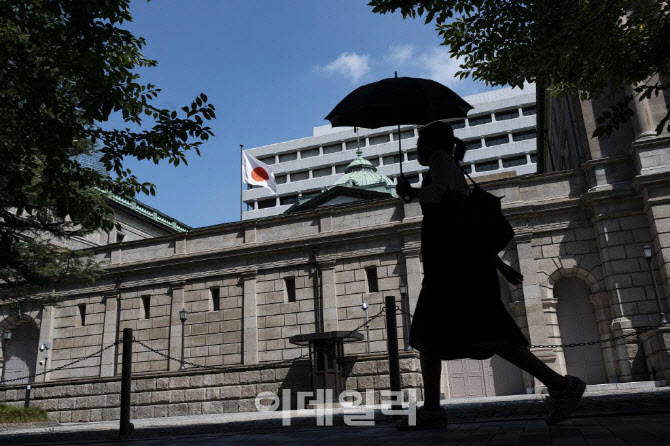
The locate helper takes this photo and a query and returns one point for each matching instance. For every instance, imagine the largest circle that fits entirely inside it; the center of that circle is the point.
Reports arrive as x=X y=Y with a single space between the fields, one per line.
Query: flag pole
x=241 y=181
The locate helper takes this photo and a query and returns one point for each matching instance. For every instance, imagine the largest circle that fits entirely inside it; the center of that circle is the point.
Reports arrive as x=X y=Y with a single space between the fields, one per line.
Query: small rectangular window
x=288 y=199
x=82 y=314
x=309 y=153
x=381 y=139
x=486 y=166
x=407 y=134
x=391 y=159
x=507 y=114
x=290 y=156
x=146 y=307
x=473 y=144
x=268 y=203
x=523 y=136
x=267 y=159
x=299 y=176
x=529 y=110
x=374 y=161
x=468 y=168
x=514 y=161
x=353 y=144
x=479 y=120
x=289 y=283
x=413 y=179
x=340 y=168
x=280 y=179
x=533 y=158
x=371 y=274
x=334 y=148
x=215 y=299
x=322 y=172
x=412 y=156
x=496 y=140
x=457 y=124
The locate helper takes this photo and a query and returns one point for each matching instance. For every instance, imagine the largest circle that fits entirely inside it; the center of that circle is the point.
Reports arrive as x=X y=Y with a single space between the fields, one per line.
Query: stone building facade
x=249 y=286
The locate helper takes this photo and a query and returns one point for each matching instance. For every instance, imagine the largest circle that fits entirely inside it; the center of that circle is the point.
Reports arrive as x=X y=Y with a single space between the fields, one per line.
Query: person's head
x=438 y=135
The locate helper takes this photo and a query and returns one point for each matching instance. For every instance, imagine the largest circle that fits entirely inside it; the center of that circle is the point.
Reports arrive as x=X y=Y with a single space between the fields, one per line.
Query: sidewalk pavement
x=632 y=417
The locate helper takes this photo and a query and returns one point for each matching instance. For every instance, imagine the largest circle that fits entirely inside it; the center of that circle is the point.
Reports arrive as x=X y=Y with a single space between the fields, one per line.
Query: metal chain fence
x=64 y=366
x=636 y=332
x=285 y=361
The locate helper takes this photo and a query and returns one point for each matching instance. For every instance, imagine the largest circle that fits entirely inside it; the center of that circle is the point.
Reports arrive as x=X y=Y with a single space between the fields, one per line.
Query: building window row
x=411 y=155
x=482 y=166
x=351 y=144
x=474 y=167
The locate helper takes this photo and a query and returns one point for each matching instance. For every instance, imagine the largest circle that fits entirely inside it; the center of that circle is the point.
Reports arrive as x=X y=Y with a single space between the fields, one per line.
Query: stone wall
x=202 y=392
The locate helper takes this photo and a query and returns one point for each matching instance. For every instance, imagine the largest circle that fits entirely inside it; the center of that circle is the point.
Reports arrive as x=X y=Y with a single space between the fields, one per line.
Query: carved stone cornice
x=411 y=251
x=326 y=263
x=249 y=275
x=177 y=285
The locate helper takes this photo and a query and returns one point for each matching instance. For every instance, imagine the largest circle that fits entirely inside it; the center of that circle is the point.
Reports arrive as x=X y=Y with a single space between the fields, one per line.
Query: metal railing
x=390 y=309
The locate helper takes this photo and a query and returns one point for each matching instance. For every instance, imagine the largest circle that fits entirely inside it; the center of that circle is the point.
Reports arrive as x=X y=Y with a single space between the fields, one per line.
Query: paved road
x=632 y=418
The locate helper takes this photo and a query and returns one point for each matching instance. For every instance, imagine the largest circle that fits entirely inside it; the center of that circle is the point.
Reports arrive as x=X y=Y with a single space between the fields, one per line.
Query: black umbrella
x=396 y=101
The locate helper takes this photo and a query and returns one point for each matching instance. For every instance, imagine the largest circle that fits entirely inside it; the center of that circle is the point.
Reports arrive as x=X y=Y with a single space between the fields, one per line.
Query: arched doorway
x=20 y=353
x=577 y=323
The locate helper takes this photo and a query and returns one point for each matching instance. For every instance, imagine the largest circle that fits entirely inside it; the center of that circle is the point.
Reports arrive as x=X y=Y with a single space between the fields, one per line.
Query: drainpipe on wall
x=318 y=299
x=118 y=324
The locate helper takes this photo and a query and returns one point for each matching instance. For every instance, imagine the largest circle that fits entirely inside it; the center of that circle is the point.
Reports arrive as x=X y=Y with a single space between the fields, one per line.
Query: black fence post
x=392 y=341
x=126 y=427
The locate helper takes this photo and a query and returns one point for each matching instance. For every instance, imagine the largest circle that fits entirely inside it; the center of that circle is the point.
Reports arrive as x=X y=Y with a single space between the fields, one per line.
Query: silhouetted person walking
x=459 y=313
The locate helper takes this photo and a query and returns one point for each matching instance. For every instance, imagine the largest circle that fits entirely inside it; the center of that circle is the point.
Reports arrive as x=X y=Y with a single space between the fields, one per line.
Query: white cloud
x=437 y=65
x=400 y=54
x=351 y=65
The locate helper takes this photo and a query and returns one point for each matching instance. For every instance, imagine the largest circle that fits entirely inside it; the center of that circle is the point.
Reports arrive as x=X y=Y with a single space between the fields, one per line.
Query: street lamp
x=649 y=256
x=365 y=306
x=45 y=348
x=183 y=314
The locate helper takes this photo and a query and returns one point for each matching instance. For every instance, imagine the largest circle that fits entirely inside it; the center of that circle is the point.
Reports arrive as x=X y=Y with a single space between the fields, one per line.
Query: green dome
x=362 y=174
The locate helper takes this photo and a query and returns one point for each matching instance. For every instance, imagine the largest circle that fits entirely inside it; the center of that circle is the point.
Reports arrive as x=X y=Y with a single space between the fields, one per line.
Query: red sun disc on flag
x=259 y=174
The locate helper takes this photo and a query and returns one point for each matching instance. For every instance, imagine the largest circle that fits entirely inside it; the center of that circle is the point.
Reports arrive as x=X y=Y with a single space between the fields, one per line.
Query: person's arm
x=510 y=274
x=442 y=179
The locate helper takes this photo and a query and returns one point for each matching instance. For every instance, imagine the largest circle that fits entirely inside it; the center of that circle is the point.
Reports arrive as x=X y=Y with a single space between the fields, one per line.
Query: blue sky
x=273 y=69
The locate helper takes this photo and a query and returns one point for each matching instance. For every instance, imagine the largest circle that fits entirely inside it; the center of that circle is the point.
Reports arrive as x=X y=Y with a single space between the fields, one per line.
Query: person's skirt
x=459 y=313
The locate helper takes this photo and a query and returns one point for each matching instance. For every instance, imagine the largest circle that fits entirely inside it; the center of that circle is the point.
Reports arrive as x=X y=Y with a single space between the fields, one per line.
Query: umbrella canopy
x=396 y=101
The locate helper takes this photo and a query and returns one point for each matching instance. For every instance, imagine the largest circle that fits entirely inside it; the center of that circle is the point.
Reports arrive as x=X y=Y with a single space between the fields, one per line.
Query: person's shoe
x=564 y=401
x=425 y=419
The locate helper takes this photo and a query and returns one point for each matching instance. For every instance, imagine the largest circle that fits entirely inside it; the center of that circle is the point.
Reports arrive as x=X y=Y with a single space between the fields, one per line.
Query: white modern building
x=499 y=133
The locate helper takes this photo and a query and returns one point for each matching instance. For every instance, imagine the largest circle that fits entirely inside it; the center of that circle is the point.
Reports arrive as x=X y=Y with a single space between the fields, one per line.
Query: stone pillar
x=549 y=305
x=603 y=314
x=413 y=271
x=657 y=207
x=249 y=320
x=176 y=305
x=643 y=120
x=329 y=295
x=46 y=336
x=532 y=298
x=109 y=334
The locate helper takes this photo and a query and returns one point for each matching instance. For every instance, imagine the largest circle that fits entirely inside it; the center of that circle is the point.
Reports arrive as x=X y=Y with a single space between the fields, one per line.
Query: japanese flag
x=257 y=173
